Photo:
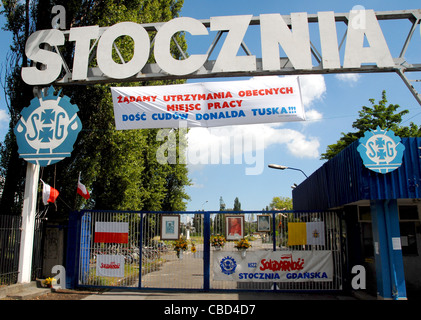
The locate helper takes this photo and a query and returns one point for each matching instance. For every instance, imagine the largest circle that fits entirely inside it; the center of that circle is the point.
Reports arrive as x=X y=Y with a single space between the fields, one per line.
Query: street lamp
x=279 y=167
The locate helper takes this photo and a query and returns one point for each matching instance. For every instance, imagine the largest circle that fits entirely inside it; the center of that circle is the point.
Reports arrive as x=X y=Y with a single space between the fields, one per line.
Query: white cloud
x=197 y=185
x=350 y=78
x=4 y=117
x=313 y=87
x=296 y=142
x=313 y=115
x=246 y=143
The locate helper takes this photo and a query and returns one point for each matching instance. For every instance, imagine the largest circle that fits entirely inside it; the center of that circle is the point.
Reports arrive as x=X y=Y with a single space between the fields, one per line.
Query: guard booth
x=381 y=212
x=137 y=250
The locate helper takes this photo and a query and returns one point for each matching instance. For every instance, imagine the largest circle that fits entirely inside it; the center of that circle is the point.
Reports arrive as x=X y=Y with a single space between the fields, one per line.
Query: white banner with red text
x=209 y=104
x=273 y=266
x=110 y=265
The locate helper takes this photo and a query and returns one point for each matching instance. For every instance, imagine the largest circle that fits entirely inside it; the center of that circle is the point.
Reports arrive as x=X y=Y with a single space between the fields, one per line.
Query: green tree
x=237 y=205
x=281 y=203
x=119 y=168
x=377 y=115
x=221 y=204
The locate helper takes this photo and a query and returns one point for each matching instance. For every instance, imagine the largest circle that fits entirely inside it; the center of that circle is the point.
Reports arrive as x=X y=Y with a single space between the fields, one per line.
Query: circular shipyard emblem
x=47 y=129
x=228 y=265
x=380 y=150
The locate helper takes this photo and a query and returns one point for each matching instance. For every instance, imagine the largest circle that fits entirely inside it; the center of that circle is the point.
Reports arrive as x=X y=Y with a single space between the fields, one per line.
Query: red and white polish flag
x=49 y=194
x=111 y=232
x=81 y=190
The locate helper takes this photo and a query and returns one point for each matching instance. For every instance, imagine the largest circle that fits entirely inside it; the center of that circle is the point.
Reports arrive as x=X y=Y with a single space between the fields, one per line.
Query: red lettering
x=284 y=264
x=264 y=92
x=225 y=104
x=111 y=265
x=183 y=107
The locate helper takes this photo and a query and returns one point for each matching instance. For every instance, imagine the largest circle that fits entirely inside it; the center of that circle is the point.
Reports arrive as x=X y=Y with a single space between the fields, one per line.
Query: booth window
x=364 y=217
x=409 y=227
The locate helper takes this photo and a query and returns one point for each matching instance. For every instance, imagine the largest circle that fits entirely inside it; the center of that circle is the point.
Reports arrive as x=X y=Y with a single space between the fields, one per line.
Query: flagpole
x=28 y=223
x=75 y=202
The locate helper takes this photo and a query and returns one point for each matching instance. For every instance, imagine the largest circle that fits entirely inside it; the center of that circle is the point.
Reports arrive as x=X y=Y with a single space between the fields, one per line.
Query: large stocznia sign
x=209 y=104
x=289 y=33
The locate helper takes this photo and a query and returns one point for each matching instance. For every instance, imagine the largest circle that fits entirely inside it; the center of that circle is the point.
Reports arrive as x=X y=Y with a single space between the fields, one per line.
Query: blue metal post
x=140 y=251
x=206 y=251
x=387 y=250
x=274 y=231
x=72 y=252
x=274 y=239
x=85 y=245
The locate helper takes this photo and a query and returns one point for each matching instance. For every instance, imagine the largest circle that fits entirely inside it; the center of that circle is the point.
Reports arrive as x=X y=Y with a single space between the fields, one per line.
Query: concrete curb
x=22 y=291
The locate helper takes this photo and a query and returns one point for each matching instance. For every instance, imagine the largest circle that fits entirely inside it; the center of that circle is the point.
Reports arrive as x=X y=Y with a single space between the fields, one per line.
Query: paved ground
x=117 y=294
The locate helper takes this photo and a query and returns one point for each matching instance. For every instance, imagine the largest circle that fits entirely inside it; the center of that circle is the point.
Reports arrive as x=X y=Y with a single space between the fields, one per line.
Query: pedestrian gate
x=139 y=250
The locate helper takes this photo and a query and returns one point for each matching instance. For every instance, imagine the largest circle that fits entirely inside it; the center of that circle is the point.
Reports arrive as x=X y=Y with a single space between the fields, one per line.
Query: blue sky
x=331 y=103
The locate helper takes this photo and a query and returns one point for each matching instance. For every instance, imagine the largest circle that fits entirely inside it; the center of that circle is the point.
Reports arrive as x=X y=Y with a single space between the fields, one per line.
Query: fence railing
x=10 y=235
x=10 y=231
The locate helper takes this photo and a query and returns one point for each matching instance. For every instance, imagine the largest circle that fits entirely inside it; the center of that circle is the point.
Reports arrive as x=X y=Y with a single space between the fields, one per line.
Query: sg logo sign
x=47 y=129
x=381 y=151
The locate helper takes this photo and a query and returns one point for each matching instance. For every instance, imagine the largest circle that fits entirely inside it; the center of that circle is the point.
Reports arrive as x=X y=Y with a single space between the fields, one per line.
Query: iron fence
x=10 y=231
x=10 y=235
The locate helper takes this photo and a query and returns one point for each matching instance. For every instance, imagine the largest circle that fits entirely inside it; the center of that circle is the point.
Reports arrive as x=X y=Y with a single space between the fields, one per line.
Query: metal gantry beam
x=152 y=71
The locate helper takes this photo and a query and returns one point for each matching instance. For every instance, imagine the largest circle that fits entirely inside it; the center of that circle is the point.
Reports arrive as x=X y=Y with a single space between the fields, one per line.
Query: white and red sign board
x=273 y=266
x=110 y=265
x=111 y=232
x=209 y=104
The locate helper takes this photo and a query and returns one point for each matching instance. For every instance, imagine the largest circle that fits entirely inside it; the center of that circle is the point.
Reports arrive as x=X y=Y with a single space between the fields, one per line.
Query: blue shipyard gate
x=144 y=260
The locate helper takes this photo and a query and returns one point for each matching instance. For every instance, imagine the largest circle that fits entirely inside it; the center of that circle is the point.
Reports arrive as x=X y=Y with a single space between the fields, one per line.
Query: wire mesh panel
x=180 y=262
x=225 y=237
x=272 y=246
x=136 y=249
x=323 y=233
x=10 y=233
x=109 y=249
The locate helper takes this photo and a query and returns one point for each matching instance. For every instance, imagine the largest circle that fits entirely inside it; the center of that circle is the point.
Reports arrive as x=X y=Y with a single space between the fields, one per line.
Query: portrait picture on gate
x=234 y=227
x=170 y=227
x=263 y=223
